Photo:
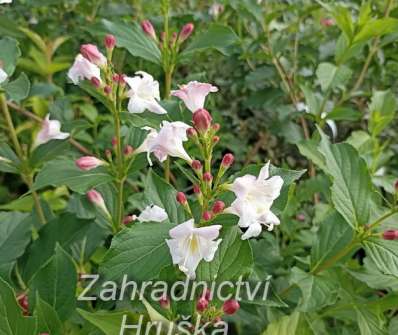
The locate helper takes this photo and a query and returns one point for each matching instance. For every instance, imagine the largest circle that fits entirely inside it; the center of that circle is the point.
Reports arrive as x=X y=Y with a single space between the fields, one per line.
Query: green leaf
x=162 y=194
x=131 y=37
x=18 y=89
x=293 y=324
x=384 y=254
x=12 y=322
x=56 y=283
x=343 y=19
x=344 y=114
x=9 y=54
x=66 y=230
x=15 y=234
x=234 y=258
x=333 y=235
x=8 y=159
x=382 y=111
x=330 y=76
x=369 y=322
x=309 y=149
x=311 y=99
x=376 y=28
x=48 y=320
x=352 y=188
x=318 y=291
x=65 y=172
x=108 y=322
x=139 y=252
x=48 y=151
x=217 y=37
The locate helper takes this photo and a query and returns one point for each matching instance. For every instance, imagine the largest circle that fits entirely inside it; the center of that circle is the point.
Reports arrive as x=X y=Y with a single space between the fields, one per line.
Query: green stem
x=26 y=175
x=120 y=172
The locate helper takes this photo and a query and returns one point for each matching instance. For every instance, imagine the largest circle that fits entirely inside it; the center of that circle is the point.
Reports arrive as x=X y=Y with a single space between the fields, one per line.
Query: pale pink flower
x=167 y=142
x=50 y=130
x=194 y=94
x=3 y=75
x=97 y=200
x=83 y=69
x=87 y=163
x=144 y=94
x=92 y=54
x=189 y=245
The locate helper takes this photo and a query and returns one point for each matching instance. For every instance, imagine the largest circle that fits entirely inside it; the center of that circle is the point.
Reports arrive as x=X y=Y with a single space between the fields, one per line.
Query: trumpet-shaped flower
x=189 y=245
x=50 y=130
x=194 y=94
x=83 y=69
x=152 y=213
x=254 y=198
x=167 y=142
x=143 y=94
x=3 y=75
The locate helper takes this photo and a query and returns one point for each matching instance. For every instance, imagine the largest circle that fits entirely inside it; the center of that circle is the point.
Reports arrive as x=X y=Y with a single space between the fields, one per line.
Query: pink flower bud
x=207 y=177
x=196 y=189
x=128 y=150
x=108 y=154
x=327 y=22
x=227 y=160
x=96 y=199
x=390 y=235
x=181 y=198
x=127 y=219
x=114 y=141
x=202 y=120
x=216 y=127
x=191 y=132
x=207 y=216
x=300 y=217
x=107 y=89
x=164 y=302
x=218 y=207
x=110 y=41
x=207 y=294
x=148 y=29
x=202 y=304
x=95 y=82
x=116 y=78
x=87 y=163
x=92 y=54
x=122 y=80
x=196 y=165
x=230 y=307
x=23 y=302
x=186 y=31
x=216 y=139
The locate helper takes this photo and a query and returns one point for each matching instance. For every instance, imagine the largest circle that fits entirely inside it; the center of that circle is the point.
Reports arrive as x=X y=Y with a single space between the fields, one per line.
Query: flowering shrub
x=136 y=211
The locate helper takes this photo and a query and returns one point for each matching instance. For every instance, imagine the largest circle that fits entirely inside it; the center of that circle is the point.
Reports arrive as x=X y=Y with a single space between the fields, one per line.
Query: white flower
x=152 y=214
x=194 y=94
x=83 y=69
x=167 y=142
x=50 y=130
x=254 y=198
x=144 y=94
x=189 y=245
x=5 y=1
x=3 y=75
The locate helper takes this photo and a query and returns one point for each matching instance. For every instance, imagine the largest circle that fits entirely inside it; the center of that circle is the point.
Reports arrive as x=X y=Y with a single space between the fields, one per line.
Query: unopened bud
x=216 y=127
x=92 y=54
x=390 y=235
x=202 y=305
x=181 y=198
x=218 y=207
x=108 y=154
x=148 y=29
x=207 y=216
x=96 y=199
x=216 y=139
x=196 y=189
x=207 y=294
x=327 y=22
x=396 y=186
x=116 y=78
x=202 y=120
x=87 y=163
x=114 y=141
x=110 y=41
x=300 y=217
x=196 y=165
x=107 y=89
x=95 y=82
x=231 y=306
x=227 y=160
x=207 y=177
x=128 y=150
x=191 y=132
x=186 y=31
x=127 y=219
x=164 y=302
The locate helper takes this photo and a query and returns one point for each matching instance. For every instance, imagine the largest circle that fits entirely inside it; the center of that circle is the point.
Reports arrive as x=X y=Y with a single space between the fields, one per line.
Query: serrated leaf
x=139 y=252
x=384 y=255
x=292 y=324
x=330 y=76
x=56 y=283
x=48 y=320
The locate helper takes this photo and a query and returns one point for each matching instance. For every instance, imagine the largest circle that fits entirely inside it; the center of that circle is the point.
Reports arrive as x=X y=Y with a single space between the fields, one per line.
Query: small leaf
x=9 y=54
x=330 y=76
x=18 y=89
x=382 y=111
x=376 y=28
